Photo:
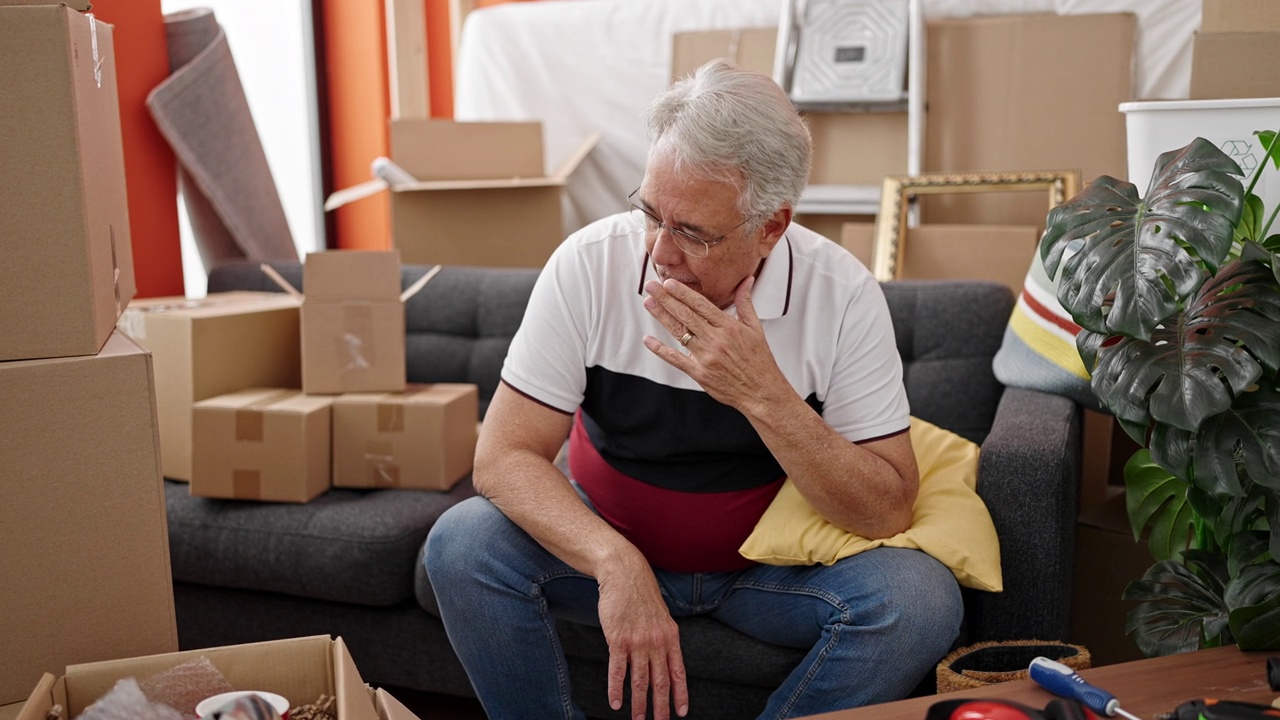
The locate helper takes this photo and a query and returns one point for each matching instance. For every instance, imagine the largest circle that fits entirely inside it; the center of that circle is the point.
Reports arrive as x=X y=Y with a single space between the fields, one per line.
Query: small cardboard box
x=300 y=669
x=262 y=444
x=423 y=438
x=209 y=347
x=479 y=193
x=85 y=559
x=352 y=321
x=66 y=263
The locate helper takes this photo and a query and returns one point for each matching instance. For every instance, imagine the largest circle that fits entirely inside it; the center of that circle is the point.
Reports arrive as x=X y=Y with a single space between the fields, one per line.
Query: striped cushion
x=1039 y=347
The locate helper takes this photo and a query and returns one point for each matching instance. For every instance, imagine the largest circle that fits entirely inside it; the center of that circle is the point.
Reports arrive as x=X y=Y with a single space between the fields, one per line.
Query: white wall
x=273 y=50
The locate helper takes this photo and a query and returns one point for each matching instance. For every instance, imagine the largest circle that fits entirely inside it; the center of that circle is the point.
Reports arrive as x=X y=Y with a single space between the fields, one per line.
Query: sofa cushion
x=354 y=546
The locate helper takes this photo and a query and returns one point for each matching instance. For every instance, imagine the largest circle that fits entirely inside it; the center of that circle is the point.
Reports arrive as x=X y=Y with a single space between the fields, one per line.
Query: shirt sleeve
x=866 y=398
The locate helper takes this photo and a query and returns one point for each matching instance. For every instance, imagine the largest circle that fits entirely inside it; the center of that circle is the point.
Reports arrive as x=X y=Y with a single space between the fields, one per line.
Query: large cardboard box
x=212 y=346
x=352 y=322
x=999 y=253
x=1235 y=65
x=1231 y=16
x=1024 y=92
x=423 y=438
x=85 y=552
x=300 y=669
x=479 y=193
x=66 y=263
x=262 y=444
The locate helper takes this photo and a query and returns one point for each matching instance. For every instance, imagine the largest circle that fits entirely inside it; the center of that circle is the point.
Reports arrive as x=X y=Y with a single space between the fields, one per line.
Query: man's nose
x=665 y=250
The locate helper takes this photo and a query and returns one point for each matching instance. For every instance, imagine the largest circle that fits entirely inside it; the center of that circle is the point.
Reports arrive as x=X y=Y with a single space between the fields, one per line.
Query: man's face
x=706 y=209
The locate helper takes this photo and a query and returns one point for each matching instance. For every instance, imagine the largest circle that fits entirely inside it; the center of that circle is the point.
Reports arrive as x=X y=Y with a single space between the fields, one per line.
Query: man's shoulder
x=820 y=260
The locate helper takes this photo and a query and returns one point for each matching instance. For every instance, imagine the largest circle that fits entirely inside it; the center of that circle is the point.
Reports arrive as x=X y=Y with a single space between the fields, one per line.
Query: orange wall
x=142 y=62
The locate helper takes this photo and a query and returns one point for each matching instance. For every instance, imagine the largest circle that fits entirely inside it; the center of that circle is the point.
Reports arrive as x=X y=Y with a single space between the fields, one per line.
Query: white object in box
x=1155 y=127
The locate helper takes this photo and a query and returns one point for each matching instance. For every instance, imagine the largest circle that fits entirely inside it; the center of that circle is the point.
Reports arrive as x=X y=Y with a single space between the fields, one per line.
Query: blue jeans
x=874 y=623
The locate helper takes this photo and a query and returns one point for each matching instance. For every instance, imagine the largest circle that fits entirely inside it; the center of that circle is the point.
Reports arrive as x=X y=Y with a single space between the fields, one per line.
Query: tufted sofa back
x=459 y=326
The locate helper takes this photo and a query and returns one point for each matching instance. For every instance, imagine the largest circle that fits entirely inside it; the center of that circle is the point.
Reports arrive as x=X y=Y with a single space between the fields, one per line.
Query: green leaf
x=1155 y=497
x=1246 y=548
x=1267 y=138
x=1257 y=627
x=1194 y=365
x=1251 y=219
x=1246 y=435
x=1254 y=584
x=1142 y=257
x=1176 y=611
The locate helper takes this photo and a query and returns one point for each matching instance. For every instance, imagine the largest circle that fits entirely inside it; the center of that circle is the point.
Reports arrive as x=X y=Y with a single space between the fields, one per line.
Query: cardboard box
x=262 y=444
x=66 y=263
x=209 y=347
x=999 y=253
x=1107 y=560
x=300 y=669
x=85 y=559
x=352 y=322
x=1236 y=65
x=423 y=438
x=1231 y=16
x=1024 y=92
x=480 y=194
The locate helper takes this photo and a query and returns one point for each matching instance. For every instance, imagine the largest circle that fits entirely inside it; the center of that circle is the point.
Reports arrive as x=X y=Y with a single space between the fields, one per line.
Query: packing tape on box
x=246 y=484
x=379 y=457
x=354 y=345
x=202 y=111
x=390 y=417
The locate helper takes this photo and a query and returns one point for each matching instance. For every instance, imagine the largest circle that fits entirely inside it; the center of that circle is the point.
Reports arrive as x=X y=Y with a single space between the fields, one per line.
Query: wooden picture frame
x=891 y=222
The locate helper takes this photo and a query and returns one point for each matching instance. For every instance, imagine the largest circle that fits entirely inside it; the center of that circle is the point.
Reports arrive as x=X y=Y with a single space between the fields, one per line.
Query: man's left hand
x=729 y=357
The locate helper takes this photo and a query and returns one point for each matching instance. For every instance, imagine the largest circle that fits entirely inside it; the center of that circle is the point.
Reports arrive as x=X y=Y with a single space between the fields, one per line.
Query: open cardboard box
x=475 y=193
x=300 y=669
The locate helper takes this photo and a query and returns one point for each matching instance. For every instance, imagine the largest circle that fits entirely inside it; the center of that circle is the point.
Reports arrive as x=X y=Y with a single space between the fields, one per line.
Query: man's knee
x=457 y=535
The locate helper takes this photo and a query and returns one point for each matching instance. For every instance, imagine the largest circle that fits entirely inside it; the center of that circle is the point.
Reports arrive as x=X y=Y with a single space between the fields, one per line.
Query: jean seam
x=828 y=597
x=549 y=627
x=818 y=661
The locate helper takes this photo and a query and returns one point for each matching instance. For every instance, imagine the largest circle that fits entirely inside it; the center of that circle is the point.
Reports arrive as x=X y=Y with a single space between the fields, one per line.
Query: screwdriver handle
x=1065 y=682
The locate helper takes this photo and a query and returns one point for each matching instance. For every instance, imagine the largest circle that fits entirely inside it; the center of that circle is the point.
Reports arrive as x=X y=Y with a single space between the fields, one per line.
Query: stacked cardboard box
x=233 y=420
x=85 y=562
x=1236 y=54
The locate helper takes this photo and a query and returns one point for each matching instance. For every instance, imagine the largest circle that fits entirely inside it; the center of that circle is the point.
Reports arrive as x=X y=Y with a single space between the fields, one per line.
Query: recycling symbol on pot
x=1242 y=152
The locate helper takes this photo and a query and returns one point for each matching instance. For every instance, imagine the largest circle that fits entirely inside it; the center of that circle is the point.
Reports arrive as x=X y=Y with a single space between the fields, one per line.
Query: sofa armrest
x=1028 y=475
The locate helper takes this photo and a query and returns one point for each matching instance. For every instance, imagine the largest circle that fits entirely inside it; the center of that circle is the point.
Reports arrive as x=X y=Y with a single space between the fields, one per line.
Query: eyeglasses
x=689 y=243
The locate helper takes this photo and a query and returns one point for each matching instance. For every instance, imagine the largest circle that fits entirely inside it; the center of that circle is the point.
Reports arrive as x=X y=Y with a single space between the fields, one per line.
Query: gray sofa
x=348 y=564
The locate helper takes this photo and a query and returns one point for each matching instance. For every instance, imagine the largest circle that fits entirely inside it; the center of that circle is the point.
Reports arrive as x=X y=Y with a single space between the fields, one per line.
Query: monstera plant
x=1178 y=295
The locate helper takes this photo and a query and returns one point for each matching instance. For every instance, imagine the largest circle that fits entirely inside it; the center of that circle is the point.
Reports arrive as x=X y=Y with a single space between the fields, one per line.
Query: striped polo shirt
x=680 y=475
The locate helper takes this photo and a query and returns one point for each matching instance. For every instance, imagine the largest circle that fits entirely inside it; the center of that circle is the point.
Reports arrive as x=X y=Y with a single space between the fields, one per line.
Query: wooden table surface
x=1145 y=688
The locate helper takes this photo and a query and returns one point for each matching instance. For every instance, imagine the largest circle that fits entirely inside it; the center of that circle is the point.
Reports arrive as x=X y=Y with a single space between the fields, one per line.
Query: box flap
x=448 y=150
x=255 y=398
x=352 y=275
x=368 y=188
x=390 y=708
x=571 y=163
x=353 y=699
x=42 y=699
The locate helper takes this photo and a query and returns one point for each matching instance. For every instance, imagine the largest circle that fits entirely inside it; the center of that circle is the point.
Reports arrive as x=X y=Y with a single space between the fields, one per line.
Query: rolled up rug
x=989 y=663
x=202 y=111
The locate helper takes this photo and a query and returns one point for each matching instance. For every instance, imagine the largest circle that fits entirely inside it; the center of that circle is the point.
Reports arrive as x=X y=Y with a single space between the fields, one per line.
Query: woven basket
x=990 y=663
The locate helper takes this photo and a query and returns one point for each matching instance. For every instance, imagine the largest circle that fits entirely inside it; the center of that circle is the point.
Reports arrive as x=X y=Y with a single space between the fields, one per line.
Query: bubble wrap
x=126 y=701
x=183 y=686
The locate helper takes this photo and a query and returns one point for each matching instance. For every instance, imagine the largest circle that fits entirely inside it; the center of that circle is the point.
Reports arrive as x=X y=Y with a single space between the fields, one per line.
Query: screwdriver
x=1064 y=682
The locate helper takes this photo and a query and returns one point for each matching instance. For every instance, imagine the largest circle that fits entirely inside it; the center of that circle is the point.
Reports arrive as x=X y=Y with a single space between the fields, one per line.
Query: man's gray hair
x=727 y=123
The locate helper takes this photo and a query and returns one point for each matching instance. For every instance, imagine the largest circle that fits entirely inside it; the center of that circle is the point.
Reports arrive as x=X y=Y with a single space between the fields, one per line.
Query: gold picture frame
x=895 y=192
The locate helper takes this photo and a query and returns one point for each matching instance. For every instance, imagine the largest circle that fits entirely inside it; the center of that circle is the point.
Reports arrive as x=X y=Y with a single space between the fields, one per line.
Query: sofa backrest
x=459 y=326
x=948 y=332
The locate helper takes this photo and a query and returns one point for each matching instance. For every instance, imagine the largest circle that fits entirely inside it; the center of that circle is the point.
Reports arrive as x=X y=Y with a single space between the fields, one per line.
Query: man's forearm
x=849 y=485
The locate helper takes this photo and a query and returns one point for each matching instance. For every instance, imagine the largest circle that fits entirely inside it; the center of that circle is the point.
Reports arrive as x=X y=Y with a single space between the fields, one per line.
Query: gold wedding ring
x=685 y=338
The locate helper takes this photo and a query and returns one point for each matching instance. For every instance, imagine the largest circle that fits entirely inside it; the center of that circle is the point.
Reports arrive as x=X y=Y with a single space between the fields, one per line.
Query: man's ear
x=773 y=229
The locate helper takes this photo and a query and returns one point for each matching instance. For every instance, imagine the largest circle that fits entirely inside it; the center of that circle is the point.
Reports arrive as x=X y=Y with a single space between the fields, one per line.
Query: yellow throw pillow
x=949 y=521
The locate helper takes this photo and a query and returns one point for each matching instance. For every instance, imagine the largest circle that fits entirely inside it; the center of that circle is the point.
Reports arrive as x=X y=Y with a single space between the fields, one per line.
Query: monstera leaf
x=1253 y=597
x=1180 y=605
x=1156 y=498
x=1137 y=264
x=1245 y=436
x=1197 y=362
